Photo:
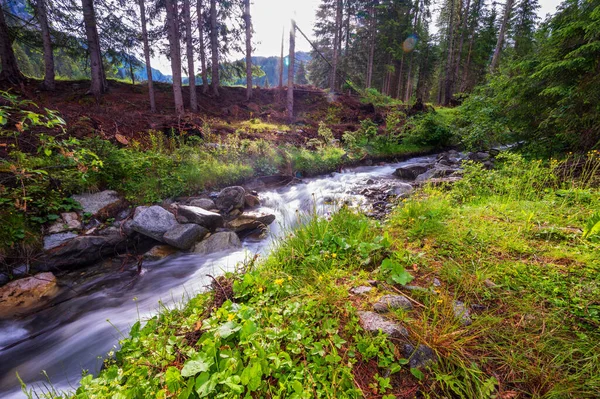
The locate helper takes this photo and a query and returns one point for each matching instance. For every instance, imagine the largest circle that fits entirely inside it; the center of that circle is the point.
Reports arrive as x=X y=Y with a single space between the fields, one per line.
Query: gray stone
x=400 y=189
x=374 y=322
x=204 y=203
x=139 y=210
x=390 y=302
x=218 y=242
x=153 y=222
x=81 y=251
x=251 y=201
x=67 y=221
x=199 y=216
x=461 y=312
x=437 y=172
x=420 y=356
x=100 y=204
x=437 y=282
x=250 y=221
x=230 y=198
x=20 y=271
x=55 y=240
x=410 y=172
x=184 y=236
x=361 y=290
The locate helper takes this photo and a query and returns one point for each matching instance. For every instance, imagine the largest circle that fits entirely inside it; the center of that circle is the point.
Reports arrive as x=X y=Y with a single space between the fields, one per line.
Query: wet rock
x=159 y=252
x=193 y=214
x=218 y=242
x=479 y=156
x=184 y=236
x=391 y=302
x=370 y=181
x=374 y=322
x=55 y=240
x=461 y=312
x=437 y=172
x=251 y=201
x=419 y=356
x=20 y=271
x=250 y=221
x=203 y=203
x=23 y=295
x=410 y=172
x=101 y=204
x=400 y=189
x=68 y=221
x=230 y=198
x=361 y=290
x=81 y=251
x=153 y=222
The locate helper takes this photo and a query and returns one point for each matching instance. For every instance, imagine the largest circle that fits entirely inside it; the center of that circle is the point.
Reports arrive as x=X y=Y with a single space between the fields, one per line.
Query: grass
x=289 y=328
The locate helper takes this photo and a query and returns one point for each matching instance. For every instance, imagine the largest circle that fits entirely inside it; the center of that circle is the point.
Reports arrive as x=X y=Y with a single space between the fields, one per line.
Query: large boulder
x=438 y=172
x=23 y=295
x=231 y=198
x=410 y=172
x=223 y=241
x=204 y=203
x=55 y=240
x=250 y=221
x=199 y=216
x=153 y=222
x=183 y=236
x=81 y=251
x=101 y=204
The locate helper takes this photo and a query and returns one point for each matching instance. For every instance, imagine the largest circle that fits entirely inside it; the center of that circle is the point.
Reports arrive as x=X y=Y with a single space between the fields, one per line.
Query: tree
x=200 y=12
x=301 y=75
x=524 y=22
x=190 y=54
x=339 y=5
x=449 y=57
x=147 y=55
x=10 y=69
x=98 y=78
x=290 y=93
x=500 y=43
x=214 y=47
x=174 y=52
x=248 y=23
x=42 y=17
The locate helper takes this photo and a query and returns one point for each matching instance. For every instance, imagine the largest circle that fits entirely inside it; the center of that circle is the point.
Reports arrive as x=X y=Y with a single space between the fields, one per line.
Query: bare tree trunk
x=462 y=39
x=372 y=31
x=187 y=16
x=450 y=57
x=147 y=56
x=175 y=53
x=500 y=42
x=10 y=69
x=199 y=10
x=280 y=91
x=98 y=85
x=336 y=45
x=400 y=79
x=416 y=23
x=248 y=21
x=42 y=17
x=131 y=74
x=290 y=92
x=214 y=47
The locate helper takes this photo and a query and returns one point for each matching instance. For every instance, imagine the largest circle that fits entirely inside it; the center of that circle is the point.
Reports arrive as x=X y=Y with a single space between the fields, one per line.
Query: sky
x=270 y=17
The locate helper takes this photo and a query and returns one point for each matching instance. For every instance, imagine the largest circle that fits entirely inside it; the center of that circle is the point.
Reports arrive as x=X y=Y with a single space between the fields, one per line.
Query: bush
x=432 y=129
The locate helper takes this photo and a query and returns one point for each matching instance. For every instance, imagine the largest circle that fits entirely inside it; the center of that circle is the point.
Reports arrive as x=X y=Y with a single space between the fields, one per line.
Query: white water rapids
x=75 y=335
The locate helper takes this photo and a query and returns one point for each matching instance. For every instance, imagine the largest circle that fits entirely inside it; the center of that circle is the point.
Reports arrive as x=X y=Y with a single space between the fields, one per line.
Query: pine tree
x=524 y=21
x=147 y=55
x=175 y=52
x=301 y=75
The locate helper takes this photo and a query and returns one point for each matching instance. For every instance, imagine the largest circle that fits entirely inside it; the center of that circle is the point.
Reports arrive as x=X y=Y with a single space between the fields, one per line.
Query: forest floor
x=501 y=280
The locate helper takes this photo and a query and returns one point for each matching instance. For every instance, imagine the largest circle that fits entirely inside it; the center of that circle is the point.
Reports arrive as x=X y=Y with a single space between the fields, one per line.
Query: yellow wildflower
x=230 y=316
x=260 y=289
x=279 y=281
x=289 y=278
x=334 y=255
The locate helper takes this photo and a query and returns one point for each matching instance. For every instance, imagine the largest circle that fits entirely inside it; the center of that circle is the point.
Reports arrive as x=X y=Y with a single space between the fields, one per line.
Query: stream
x=102 y=302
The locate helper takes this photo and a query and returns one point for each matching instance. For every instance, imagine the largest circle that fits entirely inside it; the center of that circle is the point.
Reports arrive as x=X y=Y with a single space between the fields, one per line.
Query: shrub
x=432 y=129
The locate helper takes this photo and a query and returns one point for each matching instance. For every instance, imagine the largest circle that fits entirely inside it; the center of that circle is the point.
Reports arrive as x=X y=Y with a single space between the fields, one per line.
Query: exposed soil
x=124 y=110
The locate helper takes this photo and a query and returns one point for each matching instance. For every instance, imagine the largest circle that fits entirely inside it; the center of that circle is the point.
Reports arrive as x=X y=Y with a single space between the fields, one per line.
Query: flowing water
x=100 y=303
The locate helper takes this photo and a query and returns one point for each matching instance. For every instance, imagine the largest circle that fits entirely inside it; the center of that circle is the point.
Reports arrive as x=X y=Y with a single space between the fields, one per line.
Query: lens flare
x=410 y=43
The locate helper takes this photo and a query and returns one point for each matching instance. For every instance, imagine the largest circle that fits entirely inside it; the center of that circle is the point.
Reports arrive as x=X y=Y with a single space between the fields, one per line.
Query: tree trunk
x=98 y=85
x=42 y=17
x=290 y=93
x=462 y=39
x=400 y=80
x=465 y=78
x=281 y=63
x=449 y=59
x=416 y=23
x=199 y=10
x=10 y=69
x=248 y=21
x=336 y=45
x=147 y=56
x=214 y=47
x=175 y=53
x=187 y=16
x=131 y=74
x=500 y=42
x=372 y=31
